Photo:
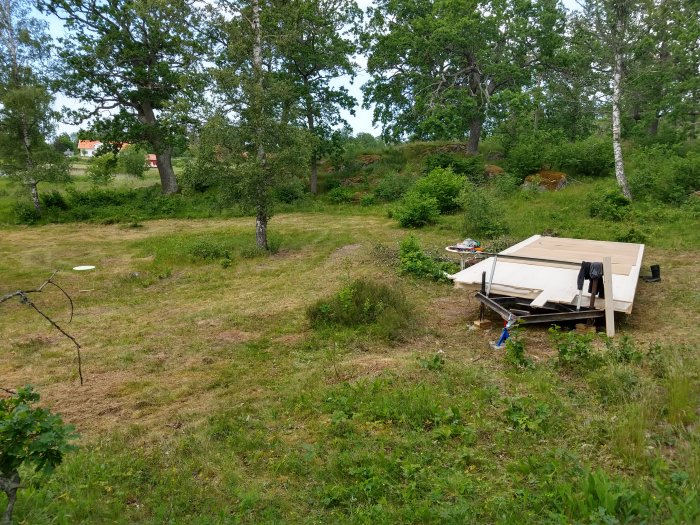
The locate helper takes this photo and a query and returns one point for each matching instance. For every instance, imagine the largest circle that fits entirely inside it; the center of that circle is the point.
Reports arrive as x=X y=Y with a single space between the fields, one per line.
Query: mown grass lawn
x=210 y=399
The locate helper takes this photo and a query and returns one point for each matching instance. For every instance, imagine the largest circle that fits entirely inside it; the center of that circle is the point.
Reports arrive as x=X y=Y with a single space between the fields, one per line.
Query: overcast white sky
x=361 y=122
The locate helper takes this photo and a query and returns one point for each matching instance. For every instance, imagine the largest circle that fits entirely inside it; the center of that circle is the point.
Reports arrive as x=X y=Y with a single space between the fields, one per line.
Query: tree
x=26 y=117
x=132 y=160
x=613 y=30
x=316 y=42
x=29 y=436
x=266 y=147
x=436 y=65
x=662 y=69
x=139 y=58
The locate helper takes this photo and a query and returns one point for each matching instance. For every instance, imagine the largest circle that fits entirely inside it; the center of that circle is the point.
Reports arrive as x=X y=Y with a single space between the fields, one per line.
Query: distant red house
x=87 y=148
x=152 y=160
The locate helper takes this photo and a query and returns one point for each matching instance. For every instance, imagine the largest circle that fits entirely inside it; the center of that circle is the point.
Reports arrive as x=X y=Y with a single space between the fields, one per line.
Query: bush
x=471 y=167
x=364 y=303
x=416 y=210
x=209 y=250
x=481 y=213
x=575 y=350
x=392 y=187
x=416 y=262
x=290 y=191
x=532 y=153
x=132 y=160
x=443 y=185
x=54 y=199
x=611 y=206
x=591 y=157
x=101 y=169
x=340 y=195
x=24 y=212
x=658 y=173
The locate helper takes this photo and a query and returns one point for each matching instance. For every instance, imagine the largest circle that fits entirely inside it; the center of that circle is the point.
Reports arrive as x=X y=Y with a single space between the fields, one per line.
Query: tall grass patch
x=363 y=303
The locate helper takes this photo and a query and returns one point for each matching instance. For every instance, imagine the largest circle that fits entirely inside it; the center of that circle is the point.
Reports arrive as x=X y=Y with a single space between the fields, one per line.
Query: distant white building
x=88 y=148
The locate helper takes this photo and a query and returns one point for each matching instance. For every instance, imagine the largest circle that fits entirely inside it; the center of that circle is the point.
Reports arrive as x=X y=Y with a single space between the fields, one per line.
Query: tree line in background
x=250 y=86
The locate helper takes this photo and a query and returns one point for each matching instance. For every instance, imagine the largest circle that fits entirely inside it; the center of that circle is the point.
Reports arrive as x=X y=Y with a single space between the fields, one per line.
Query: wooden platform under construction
x=550 y=273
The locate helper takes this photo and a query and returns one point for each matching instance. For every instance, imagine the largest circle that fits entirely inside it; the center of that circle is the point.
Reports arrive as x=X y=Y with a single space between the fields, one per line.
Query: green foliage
x=622 y=350
x=132 y=160
x=515 y=350
x=482 y=215
x=29 y=437
x=392 y=187
x=590 y=157
x=102 y=168
x=54 y=199
x=441 y=184
x=24 y=212
x=471 y=167
x=291 y=191
x=416 y=210
x=526 y=414
x=434 y=363
x=416 y=262
x=575 y=351
x=533 y=152
x=363 y=303
x=341 y=195
x=658 y=173
x=611 y=206
x=600 y=500
x=616 y=384
x=209 y=250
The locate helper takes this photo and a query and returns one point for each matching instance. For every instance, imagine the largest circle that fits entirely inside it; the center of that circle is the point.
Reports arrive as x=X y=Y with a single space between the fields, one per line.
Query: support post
x=609 y=304
x=493 y=271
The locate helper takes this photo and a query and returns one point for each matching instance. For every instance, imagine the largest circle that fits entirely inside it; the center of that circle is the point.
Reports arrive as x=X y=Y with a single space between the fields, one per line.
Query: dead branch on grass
x=24 y=299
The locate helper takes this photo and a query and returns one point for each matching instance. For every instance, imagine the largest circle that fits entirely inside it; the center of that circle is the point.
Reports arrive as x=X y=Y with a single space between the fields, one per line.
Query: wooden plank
x=609 y=306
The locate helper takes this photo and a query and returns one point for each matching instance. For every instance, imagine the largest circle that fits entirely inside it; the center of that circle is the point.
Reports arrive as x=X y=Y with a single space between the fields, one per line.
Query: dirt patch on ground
x=363 y=367
x=345 y=251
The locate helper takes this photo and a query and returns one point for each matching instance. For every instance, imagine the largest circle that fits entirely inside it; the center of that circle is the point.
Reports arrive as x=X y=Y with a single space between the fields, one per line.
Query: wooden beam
x=609 y=305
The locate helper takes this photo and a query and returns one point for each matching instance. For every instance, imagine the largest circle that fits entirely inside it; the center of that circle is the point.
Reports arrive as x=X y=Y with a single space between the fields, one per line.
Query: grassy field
x=209 y=398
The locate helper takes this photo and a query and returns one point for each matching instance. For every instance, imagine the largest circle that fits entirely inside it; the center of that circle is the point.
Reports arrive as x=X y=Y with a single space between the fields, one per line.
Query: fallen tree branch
x=24 y=299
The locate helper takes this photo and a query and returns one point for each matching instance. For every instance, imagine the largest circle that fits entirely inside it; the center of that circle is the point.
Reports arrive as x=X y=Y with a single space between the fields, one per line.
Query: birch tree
x=26 y=118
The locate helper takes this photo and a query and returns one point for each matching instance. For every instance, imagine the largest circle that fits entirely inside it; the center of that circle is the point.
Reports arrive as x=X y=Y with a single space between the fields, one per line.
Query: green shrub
x=590 y=157
x=611 y=206
x=392 y=187
x=525 y=414
x=658 y=173
x=416 y=210
x=631 y=234
x=24 y=212
x=575 y=350
x=132 y=160
x=290 y=191
x=340 y=195
x=504 y=184
x=443 y=185
x=532 y=153
x=622 y=350
x=481 y=213
x=515 y=350
x=363 y=303
x=101 y=170
x=471 y=167
x=209 y=250
x=416 y=262
x=54 y=199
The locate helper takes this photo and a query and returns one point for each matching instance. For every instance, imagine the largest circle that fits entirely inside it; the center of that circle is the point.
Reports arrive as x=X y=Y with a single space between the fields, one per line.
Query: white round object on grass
x=83 y=268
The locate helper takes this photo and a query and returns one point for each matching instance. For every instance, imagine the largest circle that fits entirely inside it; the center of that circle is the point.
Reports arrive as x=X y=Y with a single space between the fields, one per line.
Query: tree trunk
x=474 y=135
x=35 y=194
x=164 y=161
x=617 y=146
x=314 y=156
x=261 y=229
x=261 y=215
x=9 y=486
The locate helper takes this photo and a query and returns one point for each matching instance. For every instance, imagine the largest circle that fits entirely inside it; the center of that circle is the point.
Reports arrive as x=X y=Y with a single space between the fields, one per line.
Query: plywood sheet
x=624 y=255
x=550 y=282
